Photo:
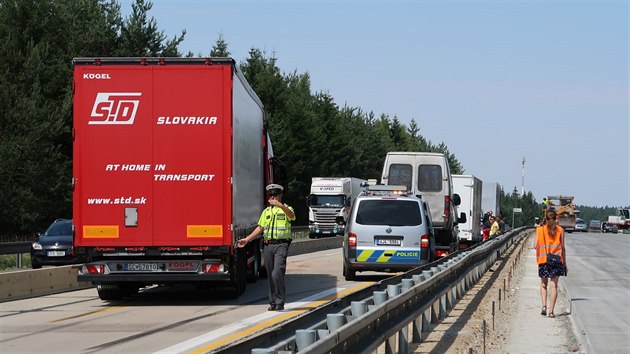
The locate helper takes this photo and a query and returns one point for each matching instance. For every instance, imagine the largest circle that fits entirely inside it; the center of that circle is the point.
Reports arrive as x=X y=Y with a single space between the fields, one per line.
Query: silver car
x=388 y=230
x=580 y=226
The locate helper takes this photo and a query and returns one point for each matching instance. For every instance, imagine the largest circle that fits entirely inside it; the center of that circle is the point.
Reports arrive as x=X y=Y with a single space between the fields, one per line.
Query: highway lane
x=598 y=285
x=188 y=320
x=160 y=318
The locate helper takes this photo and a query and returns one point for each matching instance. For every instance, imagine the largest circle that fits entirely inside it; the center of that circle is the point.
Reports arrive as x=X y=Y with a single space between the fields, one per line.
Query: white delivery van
x=428 y=174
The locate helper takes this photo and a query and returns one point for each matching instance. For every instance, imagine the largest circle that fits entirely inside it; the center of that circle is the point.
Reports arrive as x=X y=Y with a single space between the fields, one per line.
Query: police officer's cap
x=274 y=189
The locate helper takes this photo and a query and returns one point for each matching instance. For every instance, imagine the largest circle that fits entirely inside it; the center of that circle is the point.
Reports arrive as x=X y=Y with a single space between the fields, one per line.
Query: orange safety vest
x=553 y=245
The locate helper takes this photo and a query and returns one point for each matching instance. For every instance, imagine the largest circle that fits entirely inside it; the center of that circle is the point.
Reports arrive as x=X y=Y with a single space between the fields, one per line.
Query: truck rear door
x=152 y=154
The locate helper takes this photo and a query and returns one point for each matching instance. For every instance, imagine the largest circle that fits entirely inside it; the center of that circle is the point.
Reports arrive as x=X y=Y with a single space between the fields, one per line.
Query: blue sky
x=494 y=80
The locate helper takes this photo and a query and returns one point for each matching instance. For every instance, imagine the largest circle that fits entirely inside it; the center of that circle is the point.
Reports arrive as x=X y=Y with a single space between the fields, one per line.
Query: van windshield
x=429 y=178
x=389 y=212
x=327 y=200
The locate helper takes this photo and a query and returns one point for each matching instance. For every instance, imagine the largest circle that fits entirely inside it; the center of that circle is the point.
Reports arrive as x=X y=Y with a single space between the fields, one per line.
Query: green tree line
x=312 y=135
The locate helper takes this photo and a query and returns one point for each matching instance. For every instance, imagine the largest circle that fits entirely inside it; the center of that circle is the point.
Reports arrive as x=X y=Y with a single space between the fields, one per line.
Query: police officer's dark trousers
x=275 y=257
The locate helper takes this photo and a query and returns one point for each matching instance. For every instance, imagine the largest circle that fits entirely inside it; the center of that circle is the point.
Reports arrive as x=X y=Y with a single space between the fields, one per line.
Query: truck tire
x=253 y=272
x=238 y=275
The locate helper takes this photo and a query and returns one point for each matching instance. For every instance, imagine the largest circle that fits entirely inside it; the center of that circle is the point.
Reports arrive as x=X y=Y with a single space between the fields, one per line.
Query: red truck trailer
x=170 y=161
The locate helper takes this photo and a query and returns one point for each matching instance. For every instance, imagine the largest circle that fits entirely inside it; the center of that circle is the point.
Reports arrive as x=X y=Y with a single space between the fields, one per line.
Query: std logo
x=115 y=108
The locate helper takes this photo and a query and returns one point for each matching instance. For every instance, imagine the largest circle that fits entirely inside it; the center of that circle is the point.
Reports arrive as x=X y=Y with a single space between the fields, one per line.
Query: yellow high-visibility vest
x=276 y=223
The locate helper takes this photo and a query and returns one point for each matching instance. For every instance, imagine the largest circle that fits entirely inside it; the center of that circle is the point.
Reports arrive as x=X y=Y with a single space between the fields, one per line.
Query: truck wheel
x=238 y=276
x=253 y=272
x=110 y=291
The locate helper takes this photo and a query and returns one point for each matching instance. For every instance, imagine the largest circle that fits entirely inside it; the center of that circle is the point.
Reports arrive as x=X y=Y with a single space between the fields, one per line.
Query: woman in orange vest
x=550 y=239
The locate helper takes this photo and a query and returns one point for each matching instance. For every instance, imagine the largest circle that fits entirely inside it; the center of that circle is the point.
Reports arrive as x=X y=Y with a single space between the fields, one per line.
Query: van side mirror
x=462 y=218
x=456 y=199
x=340 y=220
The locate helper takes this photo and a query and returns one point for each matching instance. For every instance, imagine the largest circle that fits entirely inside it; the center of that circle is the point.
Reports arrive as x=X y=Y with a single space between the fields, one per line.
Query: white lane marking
x=218 y=333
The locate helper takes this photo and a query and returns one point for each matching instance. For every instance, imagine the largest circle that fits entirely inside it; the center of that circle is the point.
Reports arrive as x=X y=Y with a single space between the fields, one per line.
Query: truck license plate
x=56 y=253
x=142 y=267
x=388 y=242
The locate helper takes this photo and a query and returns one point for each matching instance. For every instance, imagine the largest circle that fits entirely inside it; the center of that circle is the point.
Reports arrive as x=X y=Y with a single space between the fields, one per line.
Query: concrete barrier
x=23 y=284
x=314 y=245
x=37 y=282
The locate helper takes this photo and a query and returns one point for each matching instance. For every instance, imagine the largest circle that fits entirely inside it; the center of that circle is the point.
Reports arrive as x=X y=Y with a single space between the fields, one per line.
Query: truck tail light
x=95 y=268
x=213 y=268
x=352 y=240
x=441 y=253
x=424 y=241
x=447 y=208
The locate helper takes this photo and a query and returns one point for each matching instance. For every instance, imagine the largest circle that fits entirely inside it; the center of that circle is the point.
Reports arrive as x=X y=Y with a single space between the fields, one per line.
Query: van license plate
x=56 y=253
x=388 y=242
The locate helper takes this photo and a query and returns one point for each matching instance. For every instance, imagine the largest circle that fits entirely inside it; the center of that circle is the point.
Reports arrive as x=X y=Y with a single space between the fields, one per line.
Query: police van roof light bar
x=387 y=190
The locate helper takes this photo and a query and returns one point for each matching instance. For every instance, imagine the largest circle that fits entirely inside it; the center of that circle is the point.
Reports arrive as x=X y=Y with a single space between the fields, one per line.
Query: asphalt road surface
x=596 y=292
x=598 y=287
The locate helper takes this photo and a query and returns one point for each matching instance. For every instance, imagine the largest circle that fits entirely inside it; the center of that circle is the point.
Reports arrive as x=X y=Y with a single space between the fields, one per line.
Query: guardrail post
x=334 y=321
x=435 y=310
x=416 y=328
x=403 y=340
x=442 y=302
x=407 y=284
x=417 y=278
x=454 y=297
x=393 y=290
x=304 y=338
x=379 y=297
x=358 y=308
x=426 y=319
x=19 y=261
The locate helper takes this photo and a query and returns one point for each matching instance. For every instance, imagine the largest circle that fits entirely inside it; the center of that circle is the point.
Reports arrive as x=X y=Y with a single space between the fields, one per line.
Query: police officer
x=275 y=222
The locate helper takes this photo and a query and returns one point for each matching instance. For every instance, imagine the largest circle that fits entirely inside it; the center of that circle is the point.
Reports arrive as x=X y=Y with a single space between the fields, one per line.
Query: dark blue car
x=54 y=247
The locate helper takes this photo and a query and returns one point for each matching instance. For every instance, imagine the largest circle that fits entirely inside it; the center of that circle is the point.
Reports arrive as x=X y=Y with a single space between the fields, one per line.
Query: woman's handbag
x=553 y=259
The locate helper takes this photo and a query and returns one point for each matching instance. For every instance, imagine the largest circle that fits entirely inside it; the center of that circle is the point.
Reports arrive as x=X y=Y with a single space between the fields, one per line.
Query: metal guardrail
x=17 y=248
x=382 y=313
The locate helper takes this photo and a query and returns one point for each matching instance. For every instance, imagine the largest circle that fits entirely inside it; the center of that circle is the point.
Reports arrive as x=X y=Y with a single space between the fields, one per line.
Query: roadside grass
x=9 y=262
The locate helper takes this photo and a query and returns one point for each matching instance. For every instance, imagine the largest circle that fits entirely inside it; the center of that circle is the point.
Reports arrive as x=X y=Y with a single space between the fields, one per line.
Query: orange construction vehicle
x=564 y=208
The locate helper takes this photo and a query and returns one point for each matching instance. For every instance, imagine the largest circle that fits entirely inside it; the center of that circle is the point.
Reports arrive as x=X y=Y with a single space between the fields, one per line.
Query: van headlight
x=37 y=246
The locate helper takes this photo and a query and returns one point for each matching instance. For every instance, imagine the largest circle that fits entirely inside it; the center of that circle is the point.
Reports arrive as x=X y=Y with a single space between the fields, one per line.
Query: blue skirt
x=548 y=271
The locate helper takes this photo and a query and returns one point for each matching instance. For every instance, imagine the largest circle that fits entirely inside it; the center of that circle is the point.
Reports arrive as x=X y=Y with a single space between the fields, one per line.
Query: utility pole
x=523 y=177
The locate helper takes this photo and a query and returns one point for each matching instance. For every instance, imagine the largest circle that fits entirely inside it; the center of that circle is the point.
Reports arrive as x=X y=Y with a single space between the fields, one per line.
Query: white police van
x=389 y=230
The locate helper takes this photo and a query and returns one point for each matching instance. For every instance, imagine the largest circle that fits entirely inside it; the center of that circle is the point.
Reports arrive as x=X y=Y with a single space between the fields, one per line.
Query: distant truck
x=621 y=221
x=331 y=197
x=170 y=162
x=469 y=189
x=428 y=174
x=491 y=198
x=564 y=208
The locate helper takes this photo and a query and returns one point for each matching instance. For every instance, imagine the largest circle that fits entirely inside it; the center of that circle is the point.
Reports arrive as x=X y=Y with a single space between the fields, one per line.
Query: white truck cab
x=330 y=197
